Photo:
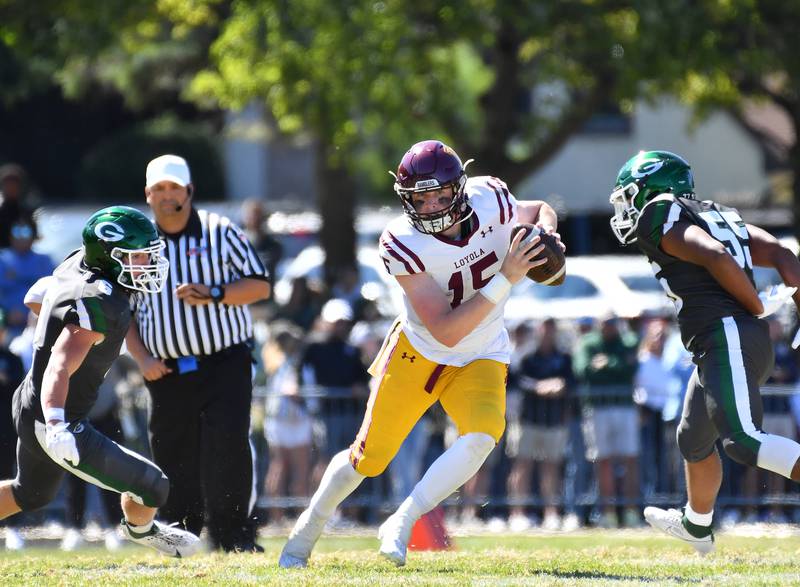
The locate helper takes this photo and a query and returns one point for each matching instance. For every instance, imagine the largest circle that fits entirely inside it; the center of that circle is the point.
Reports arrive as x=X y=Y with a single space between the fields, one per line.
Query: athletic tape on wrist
x=497 y=288
x=53 y=414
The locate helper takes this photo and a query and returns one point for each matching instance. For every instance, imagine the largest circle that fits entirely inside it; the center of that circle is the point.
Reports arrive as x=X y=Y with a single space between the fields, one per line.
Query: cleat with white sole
x=14 y=540
x=73 y=540
x=394 y=535
x=671 y=522
x=168 y=540
x=287 y=561
x=302 y=539
x=112 y=540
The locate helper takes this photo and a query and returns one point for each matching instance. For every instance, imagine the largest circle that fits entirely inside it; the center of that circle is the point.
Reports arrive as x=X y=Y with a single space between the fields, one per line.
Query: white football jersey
x=461 y=268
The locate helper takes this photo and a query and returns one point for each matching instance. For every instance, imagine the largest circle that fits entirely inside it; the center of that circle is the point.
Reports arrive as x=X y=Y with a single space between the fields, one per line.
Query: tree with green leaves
x=725 y=54
x=505 y=82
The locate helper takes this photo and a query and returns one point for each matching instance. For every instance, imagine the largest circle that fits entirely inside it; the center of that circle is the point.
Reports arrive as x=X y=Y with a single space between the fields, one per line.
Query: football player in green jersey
x=703 y=255
x=84 y=314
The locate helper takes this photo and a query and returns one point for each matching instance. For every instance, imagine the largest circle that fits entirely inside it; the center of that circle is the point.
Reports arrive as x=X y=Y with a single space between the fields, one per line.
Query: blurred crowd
x=592 y=407
x=592 y=412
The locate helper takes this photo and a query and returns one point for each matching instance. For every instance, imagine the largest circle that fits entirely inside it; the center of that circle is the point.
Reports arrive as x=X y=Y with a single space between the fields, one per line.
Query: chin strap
x=465 y=222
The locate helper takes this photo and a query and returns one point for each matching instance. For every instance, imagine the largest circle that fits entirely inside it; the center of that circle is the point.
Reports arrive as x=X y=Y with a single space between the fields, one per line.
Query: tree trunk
x=500 y=104
x=336 y=204
x=794 y=163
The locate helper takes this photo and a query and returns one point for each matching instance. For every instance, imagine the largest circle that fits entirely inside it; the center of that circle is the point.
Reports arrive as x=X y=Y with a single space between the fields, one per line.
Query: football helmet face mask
x=122 y=244
x=430 y=166
x=645 y=176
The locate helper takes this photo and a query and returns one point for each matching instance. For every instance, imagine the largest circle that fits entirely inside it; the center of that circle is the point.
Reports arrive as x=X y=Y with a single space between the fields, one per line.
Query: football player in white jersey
x=449 y=345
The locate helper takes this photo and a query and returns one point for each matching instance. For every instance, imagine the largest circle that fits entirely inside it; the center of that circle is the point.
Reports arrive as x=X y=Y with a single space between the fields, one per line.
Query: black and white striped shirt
x=211 y=250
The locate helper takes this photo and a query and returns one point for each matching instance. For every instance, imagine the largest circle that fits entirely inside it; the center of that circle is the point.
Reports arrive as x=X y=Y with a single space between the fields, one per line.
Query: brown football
x=554 y=271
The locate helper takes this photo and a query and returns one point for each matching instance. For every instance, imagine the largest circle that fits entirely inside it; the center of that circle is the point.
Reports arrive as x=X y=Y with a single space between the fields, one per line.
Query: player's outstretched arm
x=767 y=251
x=68 y=353
x=691 y=243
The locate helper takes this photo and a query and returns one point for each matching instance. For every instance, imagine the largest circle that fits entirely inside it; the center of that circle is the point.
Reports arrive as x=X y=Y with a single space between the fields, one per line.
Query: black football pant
x=103 y=462
x=734 y=356
x=199 y=435
x=75 y=487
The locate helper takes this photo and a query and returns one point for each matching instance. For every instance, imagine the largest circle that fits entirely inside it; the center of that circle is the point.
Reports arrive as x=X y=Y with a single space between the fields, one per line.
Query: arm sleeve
x=242 y=255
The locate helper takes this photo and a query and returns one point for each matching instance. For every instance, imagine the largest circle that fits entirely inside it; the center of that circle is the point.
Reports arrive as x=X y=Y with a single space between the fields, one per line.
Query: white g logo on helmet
x=109 y=231
x=646 y=167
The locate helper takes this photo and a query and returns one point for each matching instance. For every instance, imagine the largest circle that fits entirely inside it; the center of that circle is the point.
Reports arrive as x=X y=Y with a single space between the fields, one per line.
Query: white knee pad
x=478 y=445
x=451 y=470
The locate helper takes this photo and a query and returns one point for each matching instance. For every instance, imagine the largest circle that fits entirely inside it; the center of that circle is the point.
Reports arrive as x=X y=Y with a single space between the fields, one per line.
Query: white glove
x=61 y=443
x=775 y=297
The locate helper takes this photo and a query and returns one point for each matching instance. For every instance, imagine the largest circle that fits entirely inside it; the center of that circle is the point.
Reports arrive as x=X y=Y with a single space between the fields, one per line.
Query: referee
x=192 y=344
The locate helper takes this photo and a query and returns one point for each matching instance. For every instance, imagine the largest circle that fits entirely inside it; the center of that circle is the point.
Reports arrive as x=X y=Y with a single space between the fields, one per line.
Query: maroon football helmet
x=431 y=165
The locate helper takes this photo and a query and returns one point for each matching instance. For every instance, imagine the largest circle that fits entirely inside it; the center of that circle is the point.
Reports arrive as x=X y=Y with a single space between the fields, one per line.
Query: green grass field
x=589 y=558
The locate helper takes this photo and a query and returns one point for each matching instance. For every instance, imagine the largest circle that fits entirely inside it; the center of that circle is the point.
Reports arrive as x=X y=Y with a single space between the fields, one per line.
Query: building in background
x=738 y=161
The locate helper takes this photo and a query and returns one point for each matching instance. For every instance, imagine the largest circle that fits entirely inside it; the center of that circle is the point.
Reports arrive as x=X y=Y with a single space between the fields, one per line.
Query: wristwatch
x=217 y=292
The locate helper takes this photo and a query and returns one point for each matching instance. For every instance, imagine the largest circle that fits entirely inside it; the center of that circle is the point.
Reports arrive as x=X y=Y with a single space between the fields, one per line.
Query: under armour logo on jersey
x=109 y=231
x=409 y=357
x=487 y=231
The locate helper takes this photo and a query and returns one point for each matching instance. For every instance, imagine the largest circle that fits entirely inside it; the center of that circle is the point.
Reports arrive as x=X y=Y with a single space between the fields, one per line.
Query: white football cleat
x=72 y=540
x=302 y=539
x=112 y=540
x=670 y=522
x=14 y=540
x=394 y=535
x=169 y=540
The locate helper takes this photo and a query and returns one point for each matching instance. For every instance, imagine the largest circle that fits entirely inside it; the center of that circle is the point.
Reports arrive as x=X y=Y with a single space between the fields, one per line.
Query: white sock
x=143 y=529
x=698 y=519
x=339 y=481
x=450 y=471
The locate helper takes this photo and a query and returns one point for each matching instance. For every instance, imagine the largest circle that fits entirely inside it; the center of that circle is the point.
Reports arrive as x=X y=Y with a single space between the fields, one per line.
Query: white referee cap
x=168 y=168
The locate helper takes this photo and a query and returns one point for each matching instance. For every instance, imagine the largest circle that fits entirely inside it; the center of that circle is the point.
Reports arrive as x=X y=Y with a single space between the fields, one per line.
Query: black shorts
x=102 y=462
x=723 y=399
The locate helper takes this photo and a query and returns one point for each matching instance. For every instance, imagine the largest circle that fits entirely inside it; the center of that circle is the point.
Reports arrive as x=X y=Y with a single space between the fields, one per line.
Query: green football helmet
x=645 y=176
x=115 y=240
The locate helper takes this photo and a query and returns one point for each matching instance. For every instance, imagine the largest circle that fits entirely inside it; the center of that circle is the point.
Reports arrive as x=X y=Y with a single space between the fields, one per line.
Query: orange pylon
x=429 y=532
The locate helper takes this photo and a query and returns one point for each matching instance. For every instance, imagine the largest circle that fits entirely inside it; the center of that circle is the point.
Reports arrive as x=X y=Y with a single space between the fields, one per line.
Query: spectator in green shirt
x=605 y=363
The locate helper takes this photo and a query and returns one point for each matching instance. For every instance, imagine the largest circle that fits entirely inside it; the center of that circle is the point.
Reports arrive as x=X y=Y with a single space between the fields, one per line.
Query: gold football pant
x=406 y=384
